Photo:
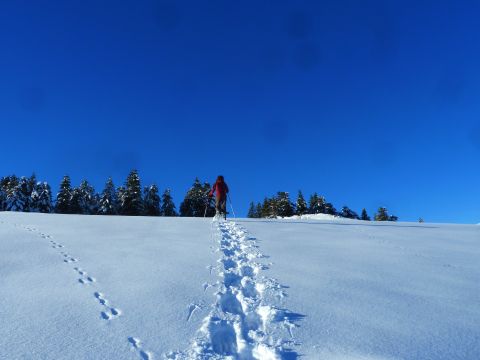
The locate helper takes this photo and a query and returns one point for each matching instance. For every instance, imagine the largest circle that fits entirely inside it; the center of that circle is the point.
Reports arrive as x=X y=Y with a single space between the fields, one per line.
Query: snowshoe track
x=242 y=324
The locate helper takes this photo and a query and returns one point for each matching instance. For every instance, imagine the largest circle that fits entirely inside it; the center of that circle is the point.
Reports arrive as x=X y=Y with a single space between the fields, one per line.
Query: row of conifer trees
x=26 y=194
x=280 y=205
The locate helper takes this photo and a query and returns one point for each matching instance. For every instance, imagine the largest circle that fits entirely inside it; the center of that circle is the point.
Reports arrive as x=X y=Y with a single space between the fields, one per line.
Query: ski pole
x=206 y=206
x=230 y=200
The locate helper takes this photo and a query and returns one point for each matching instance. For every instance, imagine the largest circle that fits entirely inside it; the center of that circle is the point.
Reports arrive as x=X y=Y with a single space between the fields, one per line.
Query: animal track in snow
x=109 y=312
x=137 y=346
x=101 y=299
x=69 y=259
x=87 y=280
x=56 y=245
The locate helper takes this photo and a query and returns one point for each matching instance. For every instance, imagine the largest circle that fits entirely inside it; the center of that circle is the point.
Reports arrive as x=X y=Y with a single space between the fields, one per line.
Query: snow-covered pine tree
x=313 y=202
x=132 y=202
x=76 y=202
x=364 y=215
x=348 y=213
x=96 y=204
x=382 y=214
x=43 y=201
x=269 y=208
x=168 y=207
x=108 y=203
x=196 y=200
x=252 y=211
x=151 y=201
x=330 y=209
x=34 y=197
x=18 y=198
x=120 y=199
x=205 y=199
x=392 y=218
x=3 y=198
x=30 y=187
x=317 y=204
x=87 y=200
x=64 y=197
x=3 y=192
x=284 y=206
x=301 y=208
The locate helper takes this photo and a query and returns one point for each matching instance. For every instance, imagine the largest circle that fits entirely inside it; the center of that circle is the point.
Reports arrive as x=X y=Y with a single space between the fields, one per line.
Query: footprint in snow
x=101 y=299
x=110 y=313
x=87 y=280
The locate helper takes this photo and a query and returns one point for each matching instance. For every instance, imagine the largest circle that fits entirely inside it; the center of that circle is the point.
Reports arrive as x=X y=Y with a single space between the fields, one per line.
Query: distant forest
x=26 y=194
x=281 y=206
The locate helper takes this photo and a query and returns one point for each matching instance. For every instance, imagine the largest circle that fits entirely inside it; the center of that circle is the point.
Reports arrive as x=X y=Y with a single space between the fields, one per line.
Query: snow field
x=107 y=287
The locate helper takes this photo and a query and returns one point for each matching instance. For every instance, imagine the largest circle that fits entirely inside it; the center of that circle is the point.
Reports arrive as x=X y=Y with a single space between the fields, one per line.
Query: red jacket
x=221 y=188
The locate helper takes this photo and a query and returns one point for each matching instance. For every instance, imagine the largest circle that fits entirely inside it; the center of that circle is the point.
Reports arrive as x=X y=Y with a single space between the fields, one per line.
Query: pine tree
x=364 y=215
x=76 y=202
x=265 y=211
x=31 y=183
x=269 y=208
x=258 y=210
x=132 y=202
x=120 y=199
x=392 y=218
x=151 y=202
x=381 y=215
x=302 y=207
x=330 y=209
x=196 y=200
x=43 y=198
x=348 y=213
x=3 y=192
x=317 y=204
x=108 y=203
x=168 y=207
x=86 y=197
x=3 y=198
x=64 y=197
x=252 y=211
x=420 y=220
x=284 y=206
x=18 y=197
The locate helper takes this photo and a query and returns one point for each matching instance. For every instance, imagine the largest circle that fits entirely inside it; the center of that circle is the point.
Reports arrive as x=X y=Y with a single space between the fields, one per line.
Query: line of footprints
x=108 y=311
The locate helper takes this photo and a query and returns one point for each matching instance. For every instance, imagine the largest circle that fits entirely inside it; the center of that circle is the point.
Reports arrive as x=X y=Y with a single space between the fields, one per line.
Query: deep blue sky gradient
x=369 y=103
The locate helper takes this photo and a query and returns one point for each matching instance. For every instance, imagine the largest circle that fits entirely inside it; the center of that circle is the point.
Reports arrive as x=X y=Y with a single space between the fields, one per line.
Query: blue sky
x=369 y=103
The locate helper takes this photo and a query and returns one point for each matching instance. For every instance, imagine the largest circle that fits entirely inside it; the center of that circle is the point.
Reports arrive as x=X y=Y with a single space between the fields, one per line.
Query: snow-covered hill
x=98 y=287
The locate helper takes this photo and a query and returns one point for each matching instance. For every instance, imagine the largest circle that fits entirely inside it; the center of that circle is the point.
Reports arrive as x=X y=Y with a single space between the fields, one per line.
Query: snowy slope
x=97 y=287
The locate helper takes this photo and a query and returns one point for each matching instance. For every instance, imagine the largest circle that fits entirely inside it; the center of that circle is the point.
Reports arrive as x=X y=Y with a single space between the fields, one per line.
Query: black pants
x=221 y=204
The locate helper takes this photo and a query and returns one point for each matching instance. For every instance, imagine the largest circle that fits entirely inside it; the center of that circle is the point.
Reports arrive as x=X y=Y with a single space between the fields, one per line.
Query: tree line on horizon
x=280 y=205
x=26 y=194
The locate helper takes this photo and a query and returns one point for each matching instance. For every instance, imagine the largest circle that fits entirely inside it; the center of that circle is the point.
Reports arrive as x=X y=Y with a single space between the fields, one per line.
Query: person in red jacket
x=221 y=188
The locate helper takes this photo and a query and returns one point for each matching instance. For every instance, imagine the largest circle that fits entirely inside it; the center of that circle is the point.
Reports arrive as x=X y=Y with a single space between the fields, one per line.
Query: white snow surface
x=314 y=217
x=109 y=287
